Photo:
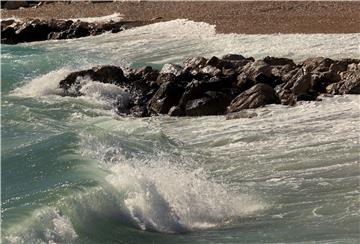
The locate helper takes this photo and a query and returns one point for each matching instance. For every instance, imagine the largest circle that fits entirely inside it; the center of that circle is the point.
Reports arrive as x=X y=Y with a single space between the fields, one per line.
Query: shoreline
x=229 y=17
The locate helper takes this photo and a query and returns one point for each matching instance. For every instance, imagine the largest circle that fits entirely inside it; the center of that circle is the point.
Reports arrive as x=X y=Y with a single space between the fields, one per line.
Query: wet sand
x=229 y=17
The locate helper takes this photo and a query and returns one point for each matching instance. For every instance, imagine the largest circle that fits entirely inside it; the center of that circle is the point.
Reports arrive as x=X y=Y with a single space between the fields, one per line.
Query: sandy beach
x=229 y=17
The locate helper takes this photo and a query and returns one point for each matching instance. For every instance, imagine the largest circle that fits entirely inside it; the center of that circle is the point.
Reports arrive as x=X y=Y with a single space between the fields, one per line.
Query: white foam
x=106 y=18
x=109 y=96
x=43 y=85
x=45 y=225
x=163 y=197
x=175 y=40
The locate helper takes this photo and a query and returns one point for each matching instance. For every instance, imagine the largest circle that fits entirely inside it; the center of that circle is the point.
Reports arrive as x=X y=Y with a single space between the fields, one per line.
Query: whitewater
x=74 y=171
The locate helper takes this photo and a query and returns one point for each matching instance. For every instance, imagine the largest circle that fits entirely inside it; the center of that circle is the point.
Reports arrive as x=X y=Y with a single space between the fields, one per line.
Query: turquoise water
x=74 y=172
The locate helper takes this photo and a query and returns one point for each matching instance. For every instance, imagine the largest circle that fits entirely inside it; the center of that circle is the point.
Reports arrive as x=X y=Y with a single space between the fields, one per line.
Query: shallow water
x=75 y=172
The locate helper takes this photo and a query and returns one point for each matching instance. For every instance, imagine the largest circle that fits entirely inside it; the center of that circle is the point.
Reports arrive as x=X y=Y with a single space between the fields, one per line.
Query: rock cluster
x=224 y=85
x=13 y=32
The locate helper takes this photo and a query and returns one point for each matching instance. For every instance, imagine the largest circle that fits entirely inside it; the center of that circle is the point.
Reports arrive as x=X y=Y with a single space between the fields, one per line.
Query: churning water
x=75 y=172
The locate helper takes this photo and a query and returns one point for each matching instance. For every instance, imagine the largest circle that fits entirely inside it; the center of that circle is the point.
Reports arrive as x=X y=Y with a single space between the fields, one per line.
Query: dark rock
x=257 y=96
x=213 y=61
x=258 y=71
x=210 y=70
x=196 y=89
x=167 y=96
x=233 y=57
x=318 y=64
x=350 y=83
x=278 y=61
x=174 y=69
x=320 y=81
x=213 y=103
x=15 y=4
x=104 y=74
x=35 y=30
x=197 y=62
x=165 y=77
x=300 y=82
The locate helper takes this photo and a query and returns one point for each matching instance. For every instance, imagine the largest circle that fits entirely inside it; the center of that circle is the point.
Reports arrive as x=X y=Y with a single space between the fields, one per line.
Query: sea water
x=73 y=171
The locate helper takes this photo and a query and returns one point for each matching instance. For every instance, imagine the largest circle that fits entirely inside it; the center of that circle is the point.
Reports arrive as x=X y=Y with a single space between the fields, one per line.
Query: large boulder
x=170 y=68
x=257 y=96
x=104 y=74
x=350 y=83
x=196 y=88
x=278 y=61
x=166 y=97
x=15 y=4
x=258 y=72
x=213 y=103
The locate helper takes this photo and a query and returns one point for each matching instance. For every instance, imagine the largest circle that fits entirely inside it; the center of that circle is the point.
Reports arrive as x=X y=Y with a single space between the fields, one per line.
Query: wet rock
x=353 y=67
x=39 y=30
x=300 y=82
x=257 y=96
x=15 y=4
x=174 y=69
x=233 y=57
x=35 y=30
x=259 y=72
x=210 y=70
x=318 y=64
x=166 y=97
x=213 y=103
x=196 y=89
x=320 y=81
x=166 y=77
x=104 y=74
x=196 y=62
x=278 y=61
x=350 y=83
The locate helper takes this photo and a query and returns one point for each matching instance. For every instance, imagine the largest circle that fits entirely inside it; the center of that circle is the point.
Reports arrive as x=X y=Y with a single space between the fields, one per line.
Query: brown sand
x=236 y=17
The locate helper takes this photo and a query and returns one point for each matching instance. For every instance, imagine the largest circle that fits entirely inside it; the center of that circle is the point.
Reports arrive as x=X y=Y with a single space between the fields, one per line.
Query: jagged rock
x=257 y=96
x=104 y=74
x=278 y=61
x=195 y=62
x=350 y=83
x=259 y=72
x=167 y=96
x=203 y=89
x=39 y=30
x=213 y=103
x=233 y=57
x=318 y=64
x=174 y=69
x=319 y=81
x=15 y=4
x=353 y=67
x=210 y=70
x=196 y=89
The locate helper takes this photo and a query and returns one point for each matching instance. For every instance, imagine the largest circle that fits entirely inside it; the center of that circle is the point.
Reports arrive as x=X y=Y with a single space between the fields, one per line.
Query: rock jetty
x=30 y=30
x=219 y=86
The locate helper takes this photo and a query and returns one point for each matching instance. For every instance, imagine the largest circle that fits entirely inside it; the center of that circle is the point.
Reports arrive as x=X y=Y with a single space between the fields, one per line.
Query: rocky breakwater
x=219 y=86
x=30 y=30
